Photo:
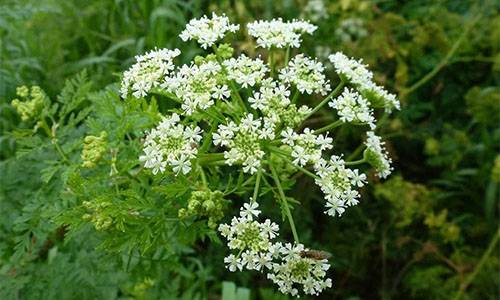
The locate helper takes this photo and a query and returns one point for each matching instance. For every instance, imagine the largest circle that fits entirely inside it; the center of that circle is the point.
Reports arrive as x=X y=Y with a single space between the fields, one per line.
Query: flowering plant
x=234 y=111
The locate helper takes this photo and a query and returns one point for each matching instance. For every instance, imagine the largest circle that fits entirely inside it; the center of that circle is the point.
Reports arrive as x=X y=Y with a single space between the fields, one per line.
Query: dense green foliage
x=68 y=231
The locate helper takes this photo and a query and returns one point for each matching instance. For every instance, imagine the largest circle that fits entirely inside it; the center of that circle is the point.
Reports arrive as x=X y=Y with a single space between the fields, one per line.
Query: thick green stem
x=207 y=158
x=285 y=203
x=295 y=96
x=329 y=126
x=334 y=93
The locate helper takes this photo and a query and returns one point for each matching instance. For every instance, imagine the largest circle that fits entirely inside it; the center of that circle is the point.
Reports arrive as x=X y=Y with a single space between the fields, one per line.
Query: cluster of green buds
x=94 y=148
x=31 y=102
x=98 y=214
x=205 y=203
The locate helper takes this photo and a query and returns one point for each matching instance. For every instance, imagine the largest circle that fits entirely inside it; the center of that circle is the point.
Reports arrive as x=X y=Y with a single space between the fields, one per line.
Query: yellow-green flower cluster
x=94 y=148
x=31 y=102
x=205 y=203
x=98 y=214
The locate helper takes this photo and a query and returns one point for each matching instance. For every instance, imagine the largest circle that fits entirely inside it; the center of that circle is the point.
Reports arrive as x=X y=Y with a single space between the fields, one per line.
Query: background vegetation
x=428 y=232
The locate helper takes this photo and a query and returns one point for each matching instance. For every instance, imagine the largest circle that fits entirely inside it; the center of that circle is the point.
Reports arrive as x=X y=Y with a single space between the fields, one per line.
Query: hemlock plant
x=226 y=114
x=245 y=113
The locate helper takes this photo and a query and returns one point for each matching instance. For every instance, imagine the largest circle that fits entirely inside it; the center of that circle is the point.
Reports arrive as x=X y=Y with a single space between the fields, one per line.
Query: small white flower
x=208 y=31
x=279 y=34
x=233 y=263
x=249 y=210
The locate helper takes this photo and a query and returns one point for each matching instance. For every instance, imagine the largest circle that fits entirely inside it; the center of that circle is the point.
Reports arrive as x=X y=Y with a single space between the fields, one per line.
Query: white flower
x=244 y=142
x=221 y=92
x=208 y=31
x=245 y=71
x=335 y=207
x=270 y=229
x=337 y=183
x=350 y=69
x=279 y=34
x=352 y=107
x=306 y=74
x=289 y=136
x=377 y=155
x=171 y=143
x=356 y=72
x=196 y=86
x=148 y=72
x=233 y=263
x=295 y=270
x=300 y=155
x=181 y=164
x=249 y=210
x=357 y=179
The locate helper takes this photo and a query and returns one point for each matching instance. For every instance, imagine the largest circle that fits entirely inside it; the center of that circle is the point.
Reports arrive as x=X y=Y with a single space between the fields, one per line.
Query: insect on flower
x=315 y=254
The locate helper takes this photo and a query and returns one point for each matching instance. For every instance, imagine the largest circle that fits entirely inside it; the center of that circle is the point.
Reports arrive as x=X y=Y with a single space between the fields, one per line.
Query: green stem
x=356 y=152
x=236 y=94
x=329 y=126
x=203 y=177
x=295 y=96
x=271 y=62
x=478 y=267
x=287 y=56
x=257 y=184
x=206 y=158
x=442 y=63
x=355 y=162
x=285 y=203
x=334 y=93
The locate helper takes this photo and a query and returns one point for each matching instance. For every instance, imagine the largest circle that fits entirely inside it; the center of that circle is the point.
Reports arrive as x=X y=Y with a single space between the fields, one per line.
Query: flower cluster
x=286 y=265
x=32 y=102
x=356 y=73
x=296 y=268
x=171 y=143
x=307 y=147
x=245 y=71
x=278 y=34
x=197 y=86
x=94 y=148
x=148 y=72
x=248 y=108
x=205 y=203
x=352 y=107
x=244 y=141
x=206 y=31
x=338 y=183
x=315 y=10
x=377 y=155
x=306 y=74
x=273 y=100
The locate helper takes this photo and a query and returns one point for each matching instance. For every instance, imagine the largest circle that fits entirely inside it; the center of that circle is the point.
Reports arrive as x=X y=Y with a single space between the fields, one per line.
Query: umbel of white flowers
x=251 y=107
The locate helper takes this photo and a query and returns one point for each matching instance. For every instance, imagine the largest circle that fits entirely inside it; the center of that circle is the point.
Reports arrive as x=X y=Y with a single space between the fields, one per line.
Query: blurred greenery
x=428 y=232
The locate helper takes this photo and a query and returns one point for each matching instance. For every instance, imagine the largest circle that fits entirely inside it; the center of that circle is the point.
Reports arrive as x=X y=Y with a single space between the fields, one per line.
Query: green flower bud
x=31 y=104
x=224 y=51
x=94 y=148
